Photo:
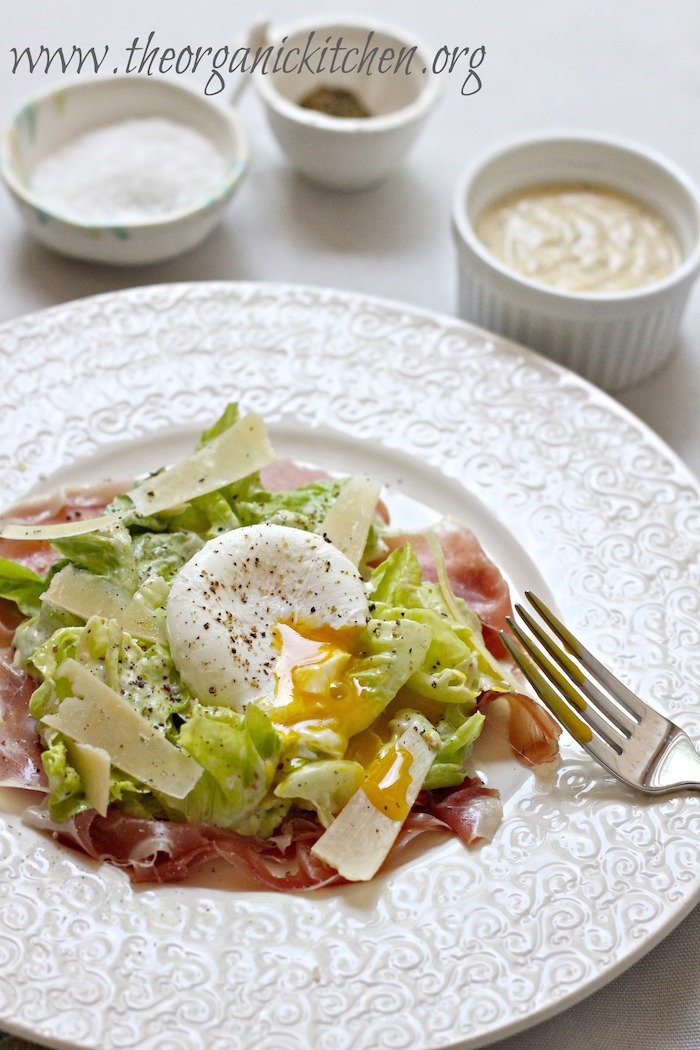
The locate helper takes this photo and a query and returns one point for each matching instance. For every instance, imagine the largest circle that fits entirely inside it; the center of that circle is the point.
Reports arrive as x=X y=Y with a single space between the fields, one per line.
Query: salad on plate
x=243 y=659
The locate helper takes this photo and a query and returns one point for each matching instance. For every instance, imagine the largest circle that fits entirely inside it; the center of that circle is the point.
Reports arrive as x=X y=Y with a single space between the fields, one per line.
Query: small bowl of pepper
x=582 y=246
x=345 y=98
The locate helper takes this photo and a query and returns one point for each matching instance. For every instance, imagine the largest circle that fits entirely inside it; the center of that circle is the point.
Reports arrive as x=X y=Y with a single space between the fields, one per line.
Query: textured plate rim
x=595 y=396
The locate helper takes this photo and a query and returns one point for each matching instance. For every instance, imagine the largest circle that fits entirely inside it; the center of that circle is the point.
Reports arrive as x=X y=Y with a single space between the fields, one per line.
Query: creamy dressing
x=580 y=238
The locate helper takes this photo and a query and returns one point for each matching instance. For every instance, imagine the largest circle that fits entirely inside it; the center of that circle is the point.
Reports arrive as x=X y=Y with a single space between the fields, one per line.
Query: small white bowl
x=62 y=115
x=614 y=339
x=348 y=153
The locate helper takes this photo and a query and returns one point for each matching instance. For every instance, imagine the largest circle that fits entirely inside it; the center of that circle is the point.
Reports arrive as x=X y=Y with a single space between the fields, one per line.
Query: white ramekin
x=612 y=339
x=63 y=113
x=348 y=153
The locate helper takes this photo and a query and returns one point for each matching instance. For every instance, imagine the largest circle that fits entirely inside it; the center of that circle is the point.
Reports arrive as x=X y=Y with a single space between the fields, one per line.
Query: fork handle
x=675 y=766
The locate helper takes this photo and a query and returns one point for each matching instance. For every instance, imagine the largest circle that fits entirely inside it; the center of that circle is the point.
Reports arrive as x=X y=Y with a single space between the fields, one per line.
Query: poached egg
x=229 y=604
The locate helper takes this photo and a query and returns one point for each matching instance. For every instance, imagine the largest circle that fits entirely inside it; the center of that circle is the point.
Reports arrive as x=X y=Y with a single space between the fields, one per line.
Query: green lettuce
x=106 y=553
x=21 y=585
x=239 y=754
x=228 y=418
x=164 y=553
x=457 y=666
x=37 y=630
x=66 y=795
x=449 y=766
x=324 y=786
x=143 y=673
x=392 y=651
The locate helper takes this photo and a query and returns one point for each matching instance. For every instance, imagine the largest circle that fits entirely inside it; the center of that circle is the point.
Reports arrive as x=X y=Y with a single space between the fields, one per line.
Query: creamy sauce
x=580 y=238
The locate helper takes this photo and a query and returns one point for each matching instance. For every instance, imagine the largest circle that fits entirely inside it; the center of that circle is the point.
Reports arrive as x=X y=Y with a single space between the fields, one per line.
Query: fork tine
x=568 y=691
x=579 y=730
x=611 y=712
x=617 y=689
x=639 y=745
x=576 y=726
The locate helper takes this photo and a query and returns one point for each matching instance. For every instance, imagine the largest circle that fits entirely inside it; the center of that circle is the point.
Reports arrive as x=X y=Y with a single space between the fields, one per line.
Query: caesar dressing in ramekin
x=580 y=237
x=614 y=336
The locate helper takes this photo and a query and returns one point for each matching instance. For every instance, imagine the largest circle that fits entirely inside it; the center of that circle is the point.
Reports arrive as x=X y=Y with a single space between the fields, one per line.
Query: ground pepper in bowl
x=335 y=102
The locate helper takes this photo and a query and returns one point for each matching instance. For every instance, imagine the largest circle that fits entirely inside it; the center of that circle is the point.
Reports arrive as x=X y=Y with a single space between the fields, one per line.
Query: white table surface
x=628 y=67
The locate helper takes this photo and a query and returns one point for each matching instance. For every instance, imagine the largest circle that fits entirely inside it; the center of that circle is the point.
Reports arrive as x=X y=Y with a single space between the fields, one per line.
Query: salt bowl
x=126 y=170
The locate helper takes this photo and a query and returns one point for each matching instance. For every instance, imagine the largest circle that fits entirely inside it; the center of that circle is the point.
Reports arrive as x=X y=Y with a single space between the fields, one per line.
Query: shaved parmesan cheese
x=361 y=836
x=347 y=523
x=239 y=451
x=92 y=765
x=98 y=716
x=61 y=530
x=88 y=595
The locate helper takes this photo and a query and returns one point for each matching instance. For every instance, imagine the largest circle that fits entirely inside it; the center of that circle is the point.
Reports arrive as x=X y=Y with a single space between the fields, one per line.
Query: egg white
x=225 y=602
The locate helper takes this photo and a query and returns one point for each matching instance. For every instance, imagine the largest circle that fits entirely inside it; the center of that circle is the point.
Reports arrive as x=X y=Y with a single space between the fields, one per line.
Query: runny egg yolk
x=313 y=681
x=387 y=782
x=315 y=689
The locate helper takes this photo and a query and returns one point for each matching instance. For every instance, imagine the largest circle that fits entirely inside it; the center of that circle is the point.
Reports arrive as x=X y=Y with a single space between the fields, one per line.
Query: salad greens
x=420 y=659
x=21 y=585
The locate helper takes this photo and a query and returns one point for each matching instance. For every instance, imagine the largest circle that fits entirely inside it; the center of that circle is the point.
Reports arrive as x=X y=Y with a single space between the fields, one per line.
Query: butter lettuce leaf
x=33 y=633
x=457 y=666
x=21 y=585
x=239 y=754
x=228 y=418
x=66 y=795
x=393 y=649
x=449 y=767
x=107 y=553
x=143 y=673
x=164 y=553
x=325 y=786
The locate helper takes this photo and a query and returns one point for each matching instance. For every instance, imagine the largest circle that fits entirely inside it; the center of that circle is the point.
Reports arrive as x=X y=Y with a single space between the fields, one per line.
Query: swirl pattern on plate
x=449 y=948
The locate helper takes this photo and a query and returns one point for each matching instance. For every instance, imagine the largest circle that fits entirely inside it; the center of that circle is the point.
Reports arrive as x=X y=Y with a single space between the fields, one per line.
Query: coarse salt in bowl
x=615 y=338
x=126 y=170
x=347 y=152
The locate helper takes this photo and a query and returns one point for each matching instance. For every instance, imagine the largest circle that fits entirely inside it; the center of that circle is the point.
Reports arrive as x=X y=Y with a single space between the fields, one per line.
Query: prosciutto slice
x=471 y=811
x=285 y=474
x=166 y=852
x=20 y=747
x=530 y=729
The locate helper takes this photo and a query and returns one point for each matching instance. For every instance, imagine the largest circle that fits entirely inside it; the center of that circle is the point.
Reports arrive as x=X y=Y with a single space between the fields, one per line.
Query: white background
x=628 y=67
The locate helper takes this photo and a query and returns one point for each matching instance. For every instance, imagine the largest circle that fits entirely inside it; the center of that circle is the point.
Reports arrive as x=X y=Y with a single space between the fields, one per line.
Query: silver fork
x=624 y=734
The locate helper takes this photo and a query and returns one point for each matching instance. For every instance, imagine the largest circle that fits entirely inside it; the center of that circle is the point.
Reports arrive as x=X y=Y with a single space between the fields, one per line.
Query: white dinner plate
x=570 y=493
